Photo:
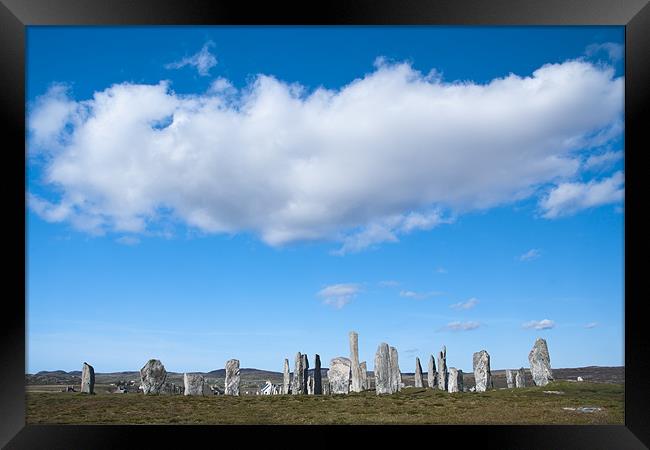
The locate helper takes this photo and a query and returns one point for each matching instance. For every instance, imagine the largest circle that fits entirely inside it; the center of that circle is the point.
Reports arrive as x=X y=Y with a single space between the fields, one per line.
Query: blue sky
x=285 y=185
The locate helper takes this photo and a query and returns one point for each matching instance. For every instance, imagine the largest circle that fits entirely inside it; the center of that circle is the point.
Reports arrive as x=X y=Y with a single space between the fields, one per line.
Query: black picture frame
x=15 y=15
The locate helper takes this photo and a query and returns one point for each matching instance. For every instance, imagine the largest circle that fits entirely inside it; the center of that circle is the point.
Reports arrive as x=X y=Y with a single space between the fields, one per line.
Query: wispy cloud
x=418 y=295
x=389 y=283
x=544 y=324
x=441 y=270
x=128 y=240
x=461 y=326
x=602 y=160
x=339 y=295
x=613 y=50
x=591 y=325
x=468 y=304
x=203 y=61
x=530 y=255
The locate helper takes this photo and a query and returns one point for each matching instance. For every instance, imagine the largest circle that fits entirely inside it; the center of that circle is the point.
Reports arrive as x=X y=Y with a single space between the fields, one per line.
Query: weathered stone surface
x=418 y=373
x=339 y=375
x=510 y=378
x=305 y=373
x=520 y=378
x=579 y=379
x=364 y=376
x=207 y=391
x=382 y=370
x=455 y=380
x=298 y=376
x=442 y=369
x=326 y=387
x=355 y=368
x=87 y=379
x=310 y=385
x=432 y=376
x=232 y=377
x=152 y=377
x=396 y=375
x=286 y=378
x=193 y=383
x=482 y=374
x=318 y=377
x=540 y=363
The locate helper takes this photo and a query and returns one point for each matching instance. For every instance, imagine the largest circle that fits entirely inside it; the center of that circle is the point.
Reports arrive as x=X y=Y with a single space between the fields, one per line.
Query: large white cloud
x=386 y=154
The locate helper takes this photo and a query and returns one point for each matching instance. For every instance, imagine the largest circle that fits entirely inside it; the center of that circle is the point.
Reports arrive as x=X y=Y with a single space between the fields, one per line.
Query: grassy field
x=410 y=406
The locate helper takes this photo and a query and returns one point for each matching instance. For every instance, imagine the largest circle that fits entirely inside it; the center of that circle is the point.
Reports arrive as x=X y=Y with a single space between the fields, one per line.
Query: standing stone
x=339 y=375
x=326 y=388
x=152 y=377
x=455 y=380
x=232 y=377
x=305 y=368
x=396 y=375
x=286 y=378
x=318 y=377
x=442 y=369
x=510 y=378
x=418 y=373
x=364 y=376
x=431 y=374
x=482 y=374
x=540 y=363
x=354 y=361
x=382 y=370
x=87 y=379
x=580 y=379
x=298 y=376
x=520 y=378
x=194 y=383
x=310 y=385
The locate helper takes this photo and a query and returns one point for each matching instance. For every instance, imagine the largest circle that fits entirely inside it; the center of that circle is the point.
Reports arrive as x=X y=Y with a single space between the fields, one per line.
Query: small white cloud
x=614 y=51
x=418 y=295
x=530 y=255
x=441 y=270
x=128 y=240
x=544 y=324
x=468 y=304
x=339 y=295
x=389 y=283
x=591 y=325
x=203 y=61
x=462 y=326
x=569 y=198
x=602 y=160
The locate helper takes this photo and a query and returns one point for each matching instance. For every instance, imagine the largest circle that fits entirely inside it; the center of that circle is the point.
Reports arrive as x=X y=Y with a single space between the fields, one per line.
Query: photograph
x=325 y=225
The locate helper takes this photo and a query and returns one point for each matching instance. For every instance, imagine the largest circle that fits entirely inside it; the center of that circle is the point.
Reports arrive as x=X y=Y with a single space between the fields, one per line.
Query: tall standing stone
x=455 y=380
x=318 y=377
x=540 y=363
x=364 y=376
x=520 y=378
x=442 y=369
x=418 y=373
x=87 y=379
x=286 y=378
x=305 y=376
x=482 y=374
x=431 y=374
x=194 y=384
x=510 y=378
x=232 y=377
x=310 y=385
x=297 y=383
x=339 y=375
x=354 y=361
x=152 y=377
x=382 y=370
x=396 y=375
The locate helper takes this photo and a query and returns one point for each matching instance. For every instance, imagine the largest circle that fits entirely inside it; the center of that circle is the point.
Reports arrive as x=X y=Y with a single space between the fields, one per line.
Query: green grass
x=411 y=406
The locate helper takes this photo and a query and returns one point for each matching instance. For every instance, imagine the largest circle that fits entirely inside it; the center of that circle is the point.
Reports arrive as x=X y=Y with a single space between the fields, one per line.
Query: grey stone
x=193 y=383
x=207 y=391
x=510 y=378
x=418 y=373
x=318 y=377
x=152 y=377
x=87 y=379
x=355 y=368
x=482 y=374
x=231 y=386
x=339 y=375
x=286 y=378
x=310 y=385
x=520 y=378
x=442 y=369
x=364 y=376
x=579 y=379
x=326 y=388
x=455 y=380
x=432 y=376
x=396 y=375
x=305 y=373
x=383 y=370
x=540 y=363
x=298 y=380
